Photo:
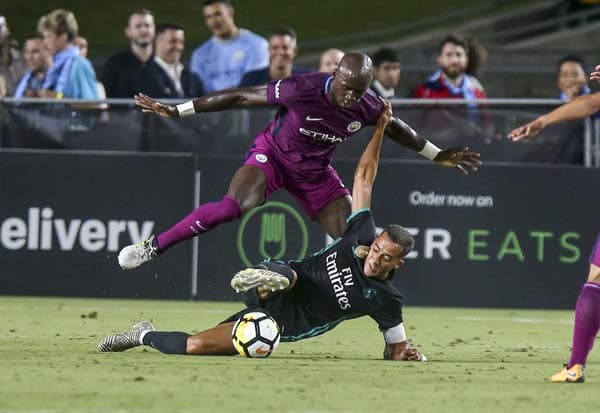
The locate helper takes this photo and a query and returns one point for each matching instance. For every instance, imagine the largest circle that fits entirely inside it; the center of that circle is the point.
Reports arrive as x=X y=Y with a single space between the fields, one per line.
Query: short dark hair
x=385 y=54
x=454 y=38
x=143 y=12
x=164 y=26
x=571 y=58
x=32 y=36
x=401 y=236
x=284 y=31
x=209 y=2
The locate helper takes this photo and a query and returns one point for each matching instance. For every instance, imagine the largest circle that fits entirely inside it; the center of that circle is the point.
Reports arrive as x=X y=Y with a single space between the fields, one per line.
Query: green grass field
x=480 y=360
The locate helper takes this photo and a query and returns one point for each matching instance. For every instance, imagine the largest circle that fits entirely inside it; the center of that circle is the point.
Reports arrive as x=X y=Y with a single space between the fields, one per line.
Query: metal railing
x=117 y=124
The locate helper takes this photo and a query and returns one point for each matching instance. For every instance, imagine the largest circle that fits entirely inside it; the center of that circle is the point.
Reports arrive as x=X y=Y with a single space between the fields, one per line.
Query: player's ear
x=399 y=264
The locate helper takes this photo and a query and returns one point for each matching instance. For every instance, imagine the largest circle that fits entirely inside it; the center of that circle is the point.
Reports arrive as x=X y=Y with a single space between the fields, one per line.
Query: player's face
x=388 y=74
x=384 y=256
x=330 y=61
x=282 y=50
x=219 y=19
x=35 y=55
x=453 y=60
x=53 y=42
x=169 y=45
x=347 y=88
x=140 y=29
x=571 y=79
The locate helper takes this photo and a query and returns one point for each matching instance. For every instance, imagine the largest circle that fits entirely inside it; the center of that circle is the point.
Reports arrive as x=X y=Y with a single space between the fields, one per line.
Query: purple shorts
x=313 y=192
x=595 y=257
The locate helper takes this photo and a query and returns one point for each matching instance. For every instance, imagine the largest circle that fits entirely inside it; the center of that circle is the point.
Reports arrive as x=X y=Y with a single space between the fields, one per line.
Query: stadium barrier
x=511 y=235
x=65 y=215
x=121 y=126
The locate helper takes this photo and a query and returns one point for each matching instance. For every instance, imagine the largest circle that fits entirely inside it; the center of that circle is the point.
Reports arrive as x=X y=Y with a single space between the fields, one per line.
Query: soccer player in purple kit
x=316 y=111
x=587 y=310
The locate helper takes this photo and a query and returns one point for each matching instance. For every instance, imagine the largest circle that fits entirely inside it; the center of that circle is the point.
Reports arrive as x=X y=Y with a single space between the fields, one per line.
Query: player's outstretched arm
x=223 y=100
x=460 y=158
x=366 y=170
x=579 y=108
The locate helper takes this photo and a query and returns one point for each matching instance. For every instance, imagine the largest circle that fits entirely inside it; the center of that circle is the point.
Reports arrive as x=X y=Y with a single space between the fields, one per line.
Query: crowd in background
x=52 y=62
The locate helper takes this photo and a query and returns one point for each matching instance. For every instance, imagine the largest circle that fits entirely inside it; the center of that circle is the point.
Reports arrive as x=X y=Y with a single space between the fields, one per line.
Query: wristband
x=186 y=109
x=429 y=151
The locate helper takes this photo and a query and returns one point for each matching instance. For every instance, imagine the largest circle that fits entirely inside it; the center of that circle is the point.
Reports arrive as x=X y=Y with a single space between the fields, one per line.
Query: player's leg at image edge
x=587 y=324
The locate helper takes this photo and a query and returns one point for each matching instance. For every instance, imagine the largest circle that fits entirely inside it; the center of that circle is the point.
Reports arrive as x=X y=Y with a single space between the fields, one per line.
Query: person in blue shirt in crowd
x=283 y=49
x=71 y=74
x=39 y=62
x=572 y=78
x=231 y=52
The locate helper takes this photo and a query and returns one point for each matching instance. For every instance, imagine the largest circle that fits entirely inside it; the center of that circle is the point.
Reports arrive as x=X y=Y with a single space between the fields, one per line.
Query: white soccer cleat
x=132 y=256
x=258 y=277
x=125 y=341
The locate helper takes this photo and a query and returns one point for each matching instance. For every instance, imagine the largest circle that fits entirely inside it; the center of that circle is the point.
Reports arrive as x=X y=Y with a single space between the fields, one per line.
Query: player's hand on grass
x=150 y=105
x=595 y=75
x=460 y=158
x=412 y=354
x=527 y=131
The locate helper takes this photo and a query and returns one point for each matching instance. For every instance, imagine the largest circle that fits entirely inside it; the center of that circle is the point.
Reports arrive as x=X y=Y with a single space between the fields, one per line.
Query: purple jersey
x=308 y=126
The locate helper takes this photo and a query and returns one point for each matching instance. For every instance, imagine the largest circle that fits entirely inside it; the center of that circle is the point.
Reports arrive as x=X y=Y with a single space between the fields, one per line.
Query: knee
x=594 y=274
x=249 y=202
x=196 y=345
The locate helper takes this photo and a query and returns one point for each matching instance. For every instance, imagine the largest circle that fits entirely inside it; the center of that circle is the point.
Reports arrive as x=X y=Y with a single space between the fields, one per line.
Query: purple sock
x=587 y=323
x=201 y=220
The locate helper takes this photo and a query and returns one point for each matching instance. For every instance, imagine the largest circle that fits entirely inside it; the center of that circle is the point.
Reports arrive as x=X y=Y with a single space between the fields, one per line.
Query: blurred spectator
x=71 y=74
x=170 y=79
x=386 y=72
x=83 y=45
x=12 y=65
x=330 y=59
x=572 y=78
x=124 y=72
x=38 y=61
x=459 y=59
x=231 y=52
x=283 y=49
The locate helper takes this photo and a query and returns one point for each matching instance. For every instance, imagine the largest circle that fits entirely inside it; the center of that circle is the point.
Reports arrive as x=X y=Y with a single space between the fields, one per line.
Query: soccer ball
x=255 y=334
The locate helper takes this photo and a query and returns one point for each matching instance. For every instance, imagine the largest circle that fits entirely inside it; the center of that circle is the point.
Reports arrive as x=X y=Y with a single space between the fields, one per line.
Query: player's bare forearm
x=459 y=158
x=227 y=99
x=401 y=132
x=223 y=100
x=369 y=160
x=366 y=170
x=579 y=108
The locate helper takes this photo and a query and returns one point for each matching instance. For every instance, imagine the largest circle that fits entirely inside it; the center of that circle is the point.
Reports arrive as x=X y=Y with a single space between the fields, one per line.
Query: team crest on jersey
x=361 y=251
x=369 y=293
x=354 y=126
x=261 y=158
